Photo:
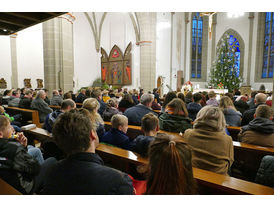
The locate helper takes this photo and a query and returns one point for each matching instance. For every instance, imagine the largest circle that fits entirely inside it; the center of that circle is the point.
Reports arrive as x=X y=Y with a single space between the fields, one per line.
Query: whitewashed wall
x=5 y=59
x=117 y=29
x=30 y=61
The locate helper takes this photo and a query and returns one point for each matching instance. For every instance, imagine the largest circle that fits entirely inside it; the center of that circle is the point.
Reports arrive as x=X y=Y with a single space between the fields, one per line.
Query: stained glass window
x=197 y=34
x=268 y=55
x=234 y=43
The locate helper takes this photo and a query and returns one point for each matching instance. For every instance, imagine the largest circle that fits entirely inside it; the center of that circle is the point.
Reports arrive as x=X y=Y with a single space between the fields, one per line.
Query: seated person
x=241 y=103
x=212 y=99
x=93 y=106
x=111 y=109
x=117 y=135
x=17 y=167
x=97 y=94
x=212 y=148
x=232 y=116
x=82 y=172
x=150 y=127
x=26 y=100
x=6 y=97
x=260 y=131
x=175 y=118
x=170 y=96
x=156 y=106
x=248 y=115
x=56 y=98
x=136 y=113
x=126 y=102
x=265 y=174
x=81 y=96
x=66 y=106
x=194 y=107
x=170 y=168
x=14 y=101
x=189 y=98
x=15 y=120
x=41 y=106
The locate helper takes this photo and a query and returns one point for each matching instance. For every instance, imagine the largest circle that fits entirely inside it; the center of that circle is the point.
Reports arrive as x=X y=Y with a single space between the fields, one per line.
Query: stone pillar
x=14 y=70
x=58 y=53
x=147 y=22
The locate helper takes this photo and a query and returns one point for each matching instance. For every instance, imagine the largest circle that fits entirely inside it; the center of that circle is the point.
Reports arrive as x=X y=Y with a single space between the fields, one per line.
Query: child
x=212 y=99
x=150 y=127
x=16 y=124
x=117 y=135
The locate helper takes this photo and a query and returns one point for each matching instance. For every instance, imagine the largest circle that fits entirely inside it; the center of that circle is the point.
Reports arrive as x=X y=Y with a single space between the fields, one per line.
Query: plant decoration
x=220 y=86
x=224 y=71
x=187 y=87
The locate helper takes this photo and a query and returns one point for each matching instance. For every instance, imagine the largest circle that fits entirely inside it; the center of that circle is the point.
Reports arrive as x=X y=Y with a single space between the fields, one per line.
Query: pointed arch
x=241 y=46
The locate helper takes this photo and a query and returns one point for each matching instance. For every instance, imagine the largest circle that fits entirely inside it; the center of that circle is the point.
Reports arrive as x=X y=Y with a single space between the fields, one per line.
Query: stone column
x=14 y=70
x=250 y=41
x=58 y=53
x=147 y=22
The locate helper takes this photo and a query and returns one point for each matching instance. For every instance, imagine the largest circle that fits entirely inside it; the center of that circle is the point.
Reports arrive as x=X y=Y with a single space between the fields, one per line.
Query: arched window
x=268 y=55
x=197 y=39
x=199 y=42
x=233 y=41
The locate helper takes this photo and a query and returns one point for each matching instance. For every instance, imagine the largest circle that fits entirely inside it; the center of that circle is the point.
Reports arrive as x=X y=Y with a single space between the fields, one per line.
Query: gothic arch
x=242 y=46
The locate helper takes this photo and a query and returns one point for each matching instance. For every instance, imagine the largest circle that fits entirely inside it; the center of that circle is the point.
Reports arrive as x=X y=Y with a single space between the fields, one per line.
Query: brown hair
x=264 y=111
x=67 y=95
x=178 y=107
x=181 y=96
x=128 y=98
x=149 y=122
x=225 y=103
x=170 y=96
x=170 y=167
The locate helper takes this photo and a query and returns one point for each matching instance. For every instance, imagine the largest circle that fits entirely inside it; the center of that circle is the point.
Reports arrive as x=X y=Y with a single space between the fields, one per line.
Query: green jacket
x=174 y=123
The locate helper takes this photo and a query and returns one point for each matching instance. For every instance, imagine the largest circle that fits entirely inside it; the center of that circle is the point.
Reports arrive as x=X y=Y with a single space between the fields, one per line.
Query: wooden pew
x=27 y=114
x=6 y=189
x=234 y=131
x=209 y=182
x=54 y=107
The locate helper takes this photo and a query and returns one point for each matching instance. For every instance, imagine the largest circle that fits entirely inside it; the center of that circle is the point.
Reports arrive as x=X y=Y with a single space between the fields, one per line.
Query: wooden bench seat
x=27 y=114
x=6 y=189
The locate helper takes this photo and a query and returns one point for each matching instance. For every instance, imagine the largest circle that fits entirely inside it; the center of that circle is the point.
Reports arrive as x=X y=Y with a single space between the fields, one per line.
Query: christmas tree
x=224 y=72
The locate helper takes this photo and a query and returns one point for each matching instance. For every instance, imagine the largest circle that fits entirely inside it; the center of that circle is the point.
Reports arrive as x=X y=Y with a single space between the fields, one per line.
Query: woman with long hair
x=232 y=116
x=175 y=118
x=170 y=167
x=212 y=148
x=169 y=96
x=126 y=102
x=92 y=105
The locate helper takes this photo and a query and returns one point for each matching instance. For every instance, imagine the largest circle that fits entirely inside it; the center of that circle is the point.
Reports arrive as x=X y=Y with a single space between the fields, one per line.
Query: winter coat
x=249 y=115
x=50 y=120
x=109 y=112
x=213 y=102
x=232 y=117
x=212 y=150
x=25 y=103
x=14 y=102
x=142 y=144
x=84 y=173
x=260 y=131
x=193 y=108
x=102 y=108
x=265 y=174
x=56 y=100
x=118 y=139
x=174 y=123
x=251 y=103
x=42 y=107
x=80 y=98
x=17 y=167
x=136 y=113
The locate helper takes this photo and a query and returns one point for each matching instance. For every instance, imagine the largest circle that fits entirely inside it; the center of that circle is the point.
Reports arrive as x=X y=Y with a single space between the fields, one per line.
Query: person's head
x=170 y=167
x=225 y=103
x=55 y=93
x=23 y=90
x=41 y=94
x=211 y=116
x=230 y=95
x=67 y=95
x=7 y=92
x=128 y=97
x=260 y=98
x=83 y=91
x=189 y=95
x=28 y=93
x=155 y=90
x=120 y=122
x=211 y=94
x=88 y=93
x=169 y=96
x=112 y=103
x=237 y=92
x=147 y=99
x=264 y=111
x=16 y=94
x=178 y=107
x=92 y=105
x=6 y=129
x=97 y=93
x=74 y=132
x=2 y=110
x=60 y=92
x=253 y=94
x=150 y=123
x=46 y=91
x=67 y=105
x=181 y=96
x=197 y=97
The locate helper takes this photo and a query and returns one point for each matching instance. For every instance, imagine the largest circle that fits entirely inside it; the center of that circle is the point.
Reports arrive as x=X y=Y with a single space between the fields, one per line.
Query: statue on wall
x=27 y=83
x=39 y=83
x=116 y=68
x=3 y=83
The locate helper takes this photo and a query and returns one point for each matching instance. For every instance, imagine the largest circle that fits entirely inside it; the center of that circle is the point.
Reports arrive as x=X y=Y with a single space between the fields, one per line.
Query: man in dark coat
x=136 y=113
x=81 y=96
x=194 y=107
x=82 y=172
x=248 y=115
x=25 y=102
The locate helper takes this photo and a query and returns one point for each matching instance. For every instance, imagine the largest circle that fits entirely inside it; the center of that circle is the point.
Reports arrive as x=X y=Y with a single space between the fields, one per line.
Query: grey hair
x=146 y=99
x=39 y=93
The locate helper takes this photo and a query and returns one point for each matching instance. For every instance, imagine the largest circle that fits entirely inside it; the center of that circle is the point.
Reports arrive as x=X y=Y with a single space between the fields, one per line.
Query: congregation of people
x=200 y=118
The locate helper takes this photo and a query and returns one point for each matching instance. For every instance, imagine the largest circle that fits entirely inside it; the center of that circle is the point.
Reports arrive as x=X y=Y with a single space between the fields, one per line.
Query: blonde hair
x=226 y=102
x=118 y=120
x=112 y=102
x=211 y=116
x=92 y=105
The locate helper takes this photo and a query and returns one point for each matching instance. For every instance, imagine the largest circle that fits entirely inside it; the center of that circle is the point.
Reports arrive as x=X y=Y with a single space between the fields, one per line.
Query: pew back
x=6 y=189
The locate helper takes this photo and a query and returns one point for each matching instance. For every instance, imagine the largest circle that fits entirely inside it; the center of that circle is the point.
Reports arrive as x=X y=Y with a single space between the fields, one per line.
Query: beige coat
x=256 y=138
x=211 y=150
